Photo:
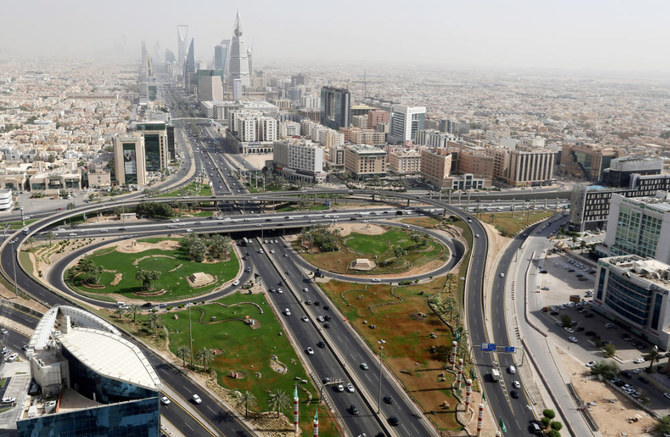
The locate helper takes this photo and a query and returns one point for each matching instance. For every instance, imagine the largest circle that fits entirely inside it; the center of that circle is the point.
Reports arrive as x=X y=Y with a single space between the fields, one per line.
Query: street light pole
x=16 y=286
x=381 y=375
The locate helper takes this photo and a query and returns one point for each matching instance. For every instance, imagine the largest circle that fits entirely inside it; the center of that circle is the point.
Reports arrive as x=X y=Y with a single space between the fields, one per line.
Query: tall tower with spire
x=239 y=61
x=182 y=34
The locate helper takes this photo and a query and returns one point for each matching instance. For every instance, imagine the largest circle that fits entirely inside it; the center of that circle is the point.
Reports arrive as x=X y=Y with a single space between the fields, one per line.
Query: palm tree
x=183 y=352
x=205 y=355
x=50 y=235
x=155 y=321
x=134 y=310
x=245 y=399
x=278 y=400
x=653 y=355
x=118 y=312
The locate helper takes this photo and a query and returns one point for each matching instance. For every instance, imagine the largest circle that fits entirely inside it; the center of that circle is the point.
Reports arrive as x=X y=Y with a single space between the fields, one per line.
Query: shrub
x=556 y=426
x=545 y=422
x=553 y=433
x=549 y=413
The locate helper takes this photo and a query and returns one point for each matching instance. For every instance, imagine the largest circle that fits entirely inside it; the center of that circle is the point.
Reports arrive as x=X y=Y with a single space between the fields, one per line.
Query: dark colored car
x=353 y=410
x=393 y=421
x=388 y=400
x=514 y=394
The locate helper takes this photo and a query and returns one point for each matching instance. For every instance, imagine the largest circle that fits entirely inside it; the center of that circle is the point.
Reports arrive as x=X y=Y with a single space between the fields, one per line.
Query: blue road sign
x=509 y=349
x=488 y=347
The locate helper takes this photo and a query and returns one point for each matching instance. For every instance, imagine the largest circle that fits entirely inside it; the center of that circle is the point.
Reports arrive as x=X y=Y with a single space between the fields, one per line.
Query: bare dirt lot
x=611 y=417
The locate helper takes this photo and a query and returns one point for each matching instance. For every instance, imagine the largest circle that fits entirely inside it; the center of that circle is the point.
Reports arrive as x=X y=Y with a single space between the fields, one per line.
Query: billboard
x=130 y=163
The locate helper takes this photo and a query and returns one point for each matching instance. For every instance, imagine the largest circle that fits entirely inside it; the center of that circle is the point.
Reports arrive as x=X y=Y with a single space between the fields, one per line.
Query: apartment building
x=404 y=161
x=587 y=161
x=299 y=159
x=436 y=167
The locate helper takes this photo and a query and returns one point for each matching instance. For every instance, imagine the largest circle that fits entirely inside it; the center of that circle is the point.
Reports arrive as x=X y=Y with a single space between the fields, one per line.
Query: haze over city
x=604 y=36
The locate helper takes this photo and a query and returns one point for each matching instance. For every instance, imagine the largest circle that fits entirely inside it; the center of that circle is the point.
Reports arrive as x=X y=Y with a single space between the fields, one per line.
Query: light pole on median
x=16 y=286
x=381 y=374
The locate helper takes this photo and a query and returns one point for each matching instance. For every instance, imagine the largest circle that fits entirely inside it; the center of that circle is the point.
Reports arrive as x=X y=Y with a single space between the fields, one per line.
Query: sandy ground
x=361 y=228
x=257 y=161
x=133 y=246
x=611 y=417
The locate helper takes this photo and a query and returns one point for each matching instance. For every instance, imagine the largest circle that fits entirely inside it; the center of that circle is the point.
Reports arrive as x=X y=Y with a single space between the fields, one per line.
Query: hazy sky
x=588 y=34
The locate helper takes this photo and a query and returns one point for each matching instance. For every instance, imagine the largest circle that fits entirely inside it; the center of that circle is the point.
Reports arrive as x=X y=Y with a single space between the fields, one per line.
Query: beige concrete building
x=364 y=161
x=521 y=168
x=436 y=166
x=52 y=183
x=377 y=117
x=404 y=161
x=99 y=178
x=129 y=160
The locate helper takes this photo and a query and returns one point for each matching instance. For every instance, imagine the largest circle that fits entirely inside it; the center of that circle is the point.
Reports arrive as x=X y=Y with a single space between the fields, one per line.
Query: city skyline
x=597 y=36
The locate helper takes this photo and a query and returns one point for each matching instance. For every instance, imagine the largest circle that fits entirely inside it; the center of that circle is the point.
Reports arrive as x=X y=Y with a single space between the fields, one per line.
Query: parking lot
x=587 y=332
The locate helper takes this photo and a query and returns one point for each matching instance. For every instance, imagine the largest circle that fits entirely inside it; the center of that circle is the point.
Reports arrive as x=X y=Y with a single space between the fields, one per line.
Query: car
x=339 y=388
x=12 y=357
x=514 y=394
x=165 y=400
x=197 y=399
x=502 y=275
x=389 y=400
x=353 y=410
x=573 y=339
x=516 y=384
x=326 y=325
x=320 y=319
x=279 y=290
x=321 y=344
x=638 y=360
x=608 y=325
x=376 y=280
x=666 y=395
x=236 y=282
x=511 y=370
x=544 y=272
x=476 y=235
x=317 y=303
x=569 y=330
x=326 y=307
x=8 y=400
x=305 y=289
x=287 y=311
x=310 y=351
x=189 y=230
x=627 y=374
x=3 y=330
x=590 y=364
x=364 y=366
x=350 y=388
x=393 y=421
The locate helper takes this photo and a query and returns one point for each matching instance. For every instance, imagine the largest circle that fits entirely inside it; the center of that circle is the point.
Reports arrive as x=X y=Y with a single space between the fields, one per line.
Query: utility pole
x=190 y=332
x=381 y=375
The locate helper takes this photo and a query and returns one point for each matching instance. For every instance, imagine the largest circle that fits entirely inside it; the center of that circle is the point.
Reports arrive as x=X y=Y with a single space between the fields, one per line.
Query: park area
x=417 y=342
x=248 y=351
x=179 y=276
x=389 y=250
x=510 y=223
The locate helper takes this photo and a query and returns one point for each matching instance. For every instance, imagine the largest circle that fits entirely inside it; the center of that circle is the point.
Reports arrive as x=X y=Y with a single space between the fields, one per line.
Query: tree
x=183 y=352
x=653 y=356
x=609 y=350
x=605 y=368
x=399 y=252
x=70 y=206
x=553 y=433
x=197 y=250
x=155 y=321
x=50 y=235
x=205 y=355
x=134 y=310
x=147 y=278
x=245 y=399
x=442 y=353
x=566 y=320
x=278 y=400
x=30 y=241
x=89 y=271
x=550 y=414
x=556 y=426
x=663 y=426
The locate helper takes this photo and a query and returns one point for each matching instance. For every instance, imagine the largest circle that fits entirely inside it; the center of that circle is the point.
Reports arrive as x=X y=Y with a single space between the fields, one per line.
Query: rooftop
x=111 y=355
x=652 y=270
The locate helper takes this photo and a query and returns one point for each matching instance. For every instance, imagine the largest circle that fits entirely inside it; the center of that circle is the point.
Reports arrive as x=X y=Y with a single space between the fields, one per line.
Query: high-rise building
x=335 y=107
x=639 y=226
x=634 y=291
x=182 y=35
x=519 y=168
x=210 y=85
x=404 y=161
x=221 y=52
x=93 y=381
x=239 y=58
x=405 y=122
x=190 y=78
x=436 y=167
x=155 y=144
x=129 y=161
x=299 y=160
x=377 y=116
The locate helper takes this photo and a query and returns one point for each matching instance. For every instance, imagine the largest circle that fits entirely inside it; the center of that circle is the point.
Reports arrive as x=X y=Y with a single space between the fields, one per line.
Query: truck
x=495 y=375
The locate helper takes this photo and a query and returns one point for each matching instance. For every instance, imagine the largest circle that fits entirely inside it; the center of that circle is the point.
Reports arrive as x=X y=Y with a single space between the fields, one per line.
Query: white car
x=287 y=311
x=236 y=282
x=516 y=384
x=350 y=388
x=197 y=399
x=12 y=357
x=165 y=400
x=590 y=364
x=310 y=351
x=502 y=275
x=573 y=339
x=304 y=319
x=638 y=360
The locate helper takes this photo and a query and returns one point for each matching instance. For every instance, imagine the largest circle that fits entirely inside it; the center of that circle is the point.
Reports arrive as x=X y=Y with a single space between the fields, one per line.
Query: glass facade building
x=335 y=107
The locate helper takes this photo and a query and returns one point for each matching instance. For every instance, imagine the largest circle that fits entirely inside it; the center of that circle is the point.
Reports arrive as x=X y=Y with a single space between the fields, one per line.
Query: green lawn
x=509 y=224
x=174 y=282
x=247 y=350
x=190 y=190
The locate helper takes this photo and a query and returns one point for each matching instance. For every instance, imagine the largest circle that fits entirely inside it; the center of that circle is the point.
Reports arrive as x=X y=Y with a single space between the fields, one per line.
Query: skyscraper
x=189 y=68
x=221 y=56
x=335 y=107
x=182 y=34
x=405 y=122
x=239 y=61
